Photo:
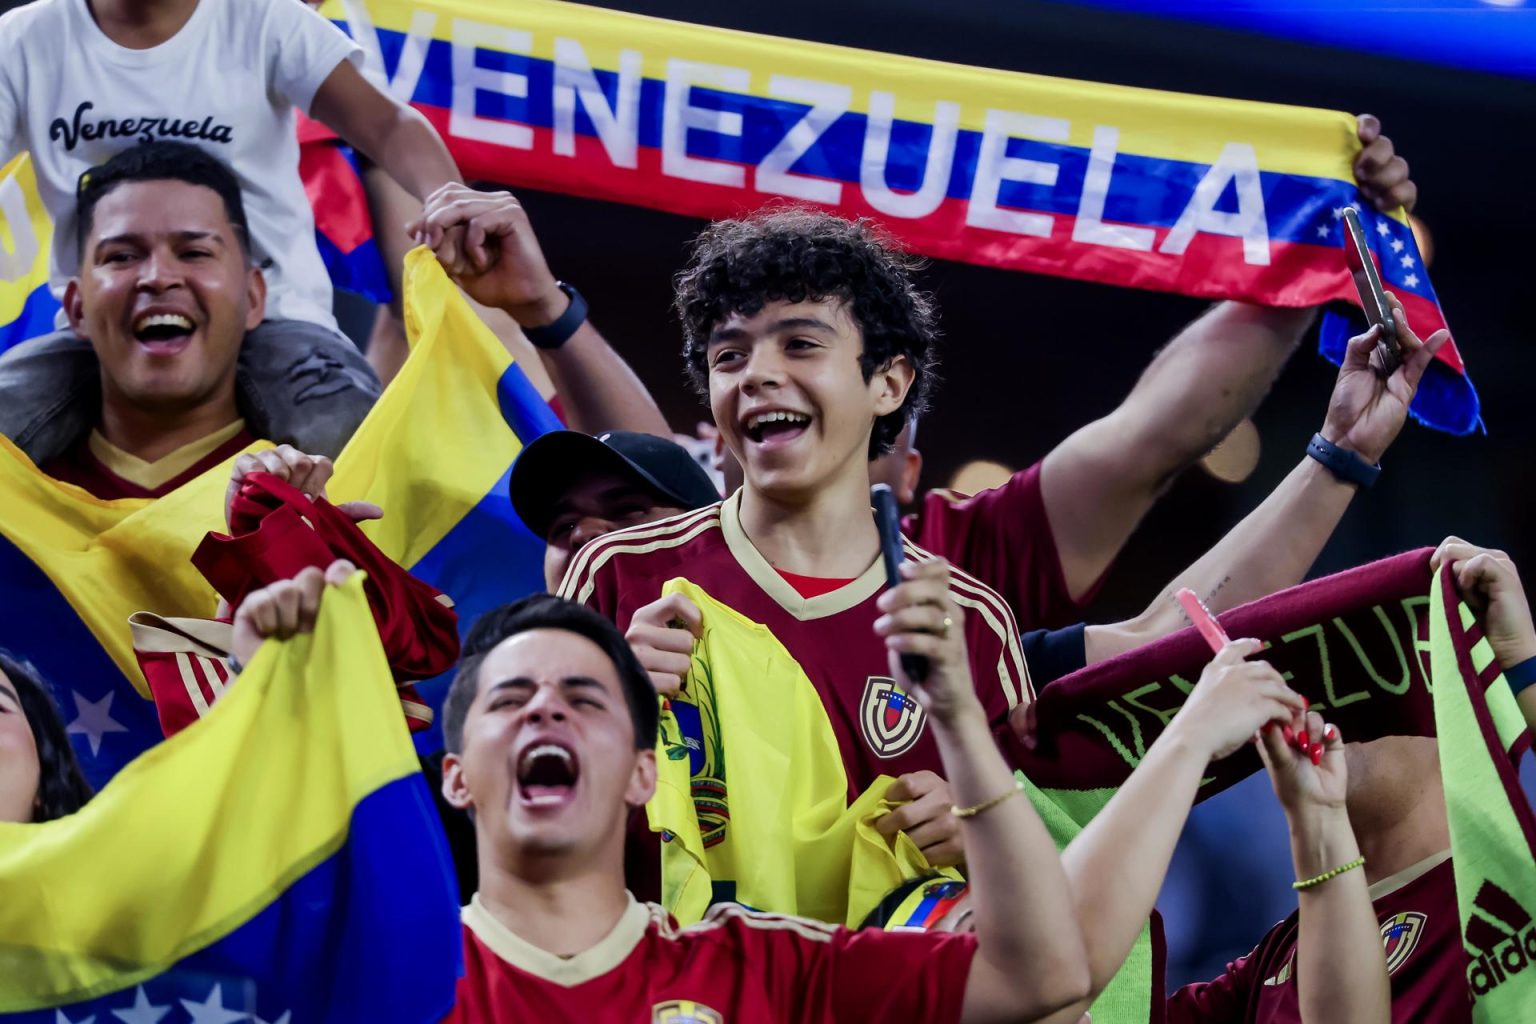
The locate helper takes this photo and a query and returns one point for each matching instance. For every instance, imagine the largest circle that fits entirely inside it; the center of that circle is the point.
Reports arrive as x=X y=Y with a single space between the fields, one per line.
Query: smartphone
x=1204 y=621
x=1373 y=297
x=888 y=521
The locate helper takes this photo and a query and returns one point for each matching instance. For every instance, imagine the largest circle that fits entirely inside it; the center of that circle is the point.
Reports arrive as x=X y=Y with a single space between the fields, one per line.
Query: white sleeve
x=304 y=49
x=11 y=104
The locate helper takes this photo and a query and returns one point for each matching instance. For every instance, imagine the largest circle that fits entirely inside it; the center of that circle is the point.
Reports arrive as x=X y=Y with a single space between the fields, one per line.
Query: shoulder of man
x=642 y=550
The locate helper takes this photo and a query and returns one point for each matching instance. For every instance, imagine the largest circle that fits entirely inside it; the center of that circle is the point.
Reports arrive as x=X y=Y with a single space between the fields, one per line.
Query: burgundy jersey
x=1420 y=928
x=1003 y=537
x=107 y=472
x=734 y=967
x=880 y=730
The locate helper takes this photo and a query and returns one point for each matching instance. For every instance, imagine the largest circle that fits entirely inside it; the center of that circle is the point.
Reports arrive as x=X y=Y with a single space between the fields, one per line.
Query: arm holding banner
x=496 y=259
x=1029 y=958
x=1490 y=585
x=1341 y=972
x=1275 y=545
x=1099 y=482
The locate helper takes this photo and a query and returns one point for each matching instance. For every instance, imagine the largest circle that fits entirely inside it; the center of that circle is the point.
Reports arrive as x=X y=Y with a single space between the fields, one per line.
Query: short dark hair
x=160 y=161
x=546 y=611
x=61 y=786
x=796 y=254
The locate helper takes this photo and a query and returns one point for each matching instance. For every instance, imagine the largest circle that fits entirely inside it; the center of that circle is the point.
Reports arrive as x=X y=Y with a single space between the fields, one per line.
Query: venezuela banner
x=1217 y=198
x=280 y=860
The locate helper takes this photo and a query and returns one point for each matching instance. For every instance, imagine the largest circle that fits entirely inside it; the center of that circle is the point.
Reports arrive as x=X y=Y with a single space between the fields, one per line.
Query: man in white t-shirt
x=85 y=79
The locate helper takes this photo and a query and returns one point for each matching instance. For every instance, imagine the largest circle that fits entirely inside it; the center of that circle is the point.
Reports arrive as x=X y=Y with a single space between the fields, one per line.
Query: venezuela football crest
x=892 y=721
x=684 y=1011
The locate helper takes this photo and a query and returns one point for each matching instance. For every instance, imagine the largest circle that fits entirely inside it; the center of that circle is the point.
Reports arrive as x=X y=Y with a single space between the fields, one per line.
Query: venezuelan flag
x=1198 y=195
x=343 y=224
x=435 y=452
x=27 y=307
x=280 y=860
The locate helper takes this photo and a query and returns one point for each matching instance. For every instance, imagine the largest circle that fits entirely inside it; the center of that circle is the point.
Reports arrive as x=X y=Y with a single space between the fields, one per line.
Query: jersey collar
x=567 y=972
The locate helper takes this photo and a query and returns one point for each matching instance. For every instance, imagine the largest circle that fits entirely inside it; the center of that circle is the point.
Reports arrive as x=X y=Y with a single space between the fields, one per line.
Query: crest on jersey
x=1399 y=935
x=891 y=719
x=684 y=1011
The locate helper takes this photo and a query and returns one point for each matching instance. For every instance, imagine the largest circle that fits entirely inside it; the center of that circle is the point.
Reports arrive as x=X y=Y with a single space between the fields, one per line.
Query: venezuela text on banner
x=435 y=453
x=280 y=860
x=1203 y=196
x=1493 y=830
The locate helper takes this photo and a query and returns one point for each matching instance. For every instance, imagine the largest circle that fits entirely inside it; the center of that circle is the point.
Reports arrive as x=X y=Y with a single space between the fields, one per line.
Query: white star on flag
x=1407 y=262
x=1397 y=245
x=1322 y=231
x=141 y=1012
x=212 y=1011
x=1382 y=229
x=94 y=719
x=59 y=1018
x=1412 y=280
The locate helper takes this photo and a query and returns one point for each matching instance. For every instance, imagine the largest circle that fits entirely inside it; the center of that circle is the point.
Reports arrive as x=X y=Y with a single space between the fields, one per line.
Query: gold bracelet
x=1335 y=873
x=987 y=805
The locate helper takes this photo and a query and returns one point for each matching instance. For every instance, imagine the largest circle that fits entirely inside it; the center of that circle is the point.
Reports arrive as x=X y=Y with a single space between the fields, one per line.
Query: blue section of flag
x=371 y=934
x=109 y=723
x=36 y=318
x=360 y=271
x=1446 y=400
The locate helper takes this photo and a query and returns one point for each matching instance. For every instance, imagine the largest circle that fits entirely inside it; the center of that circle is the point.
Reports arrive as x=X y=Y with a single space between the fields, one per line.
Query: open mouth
x=776 y=427
x=546 y=775
x=163 y=333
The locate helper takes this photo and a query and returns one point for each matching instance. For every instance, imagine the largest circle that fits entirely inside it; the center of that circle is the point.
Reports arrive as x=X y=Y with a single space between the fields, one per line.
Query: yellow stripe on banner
x=435 y=443
x=1153 y=123
x=110 y=559
x=197 y=835
x=26 y=237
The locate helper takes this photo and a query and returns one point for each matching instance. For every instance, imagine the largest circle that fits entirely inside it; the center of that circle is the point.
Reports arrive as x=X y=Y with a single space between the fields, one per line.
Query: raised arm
x=1341 y=970
x=1029 y=951
x=1099 y=482
x=1116 y=865
x=496 y=259
x=391 y=134
x=1275 y=545
x=1490 y=584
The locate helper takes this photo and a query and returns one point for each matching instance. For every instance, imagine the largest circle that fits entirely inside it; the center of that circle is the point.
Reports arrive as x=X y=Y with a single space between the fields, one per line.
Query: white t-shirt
x=227 y=82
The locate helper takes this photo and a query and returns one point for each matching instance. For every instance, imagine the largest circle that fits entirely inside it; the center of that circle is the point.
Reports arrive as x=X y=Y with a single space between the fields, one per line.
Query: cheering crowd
x=199 y=340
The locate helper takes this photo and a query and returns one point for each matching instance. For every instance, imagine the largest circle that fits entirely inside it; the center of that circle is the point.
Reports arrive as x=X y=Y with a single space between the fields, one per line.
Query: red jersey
x=880 y=730
x=734 y=967
x=1420 y=927
x=1003 y=537
x=108 y=472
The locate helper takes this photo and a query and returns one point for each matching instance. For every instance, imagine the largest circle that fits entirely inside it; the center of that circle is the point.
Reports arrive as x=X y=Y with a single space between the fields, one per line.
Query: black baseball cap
x=558 y=460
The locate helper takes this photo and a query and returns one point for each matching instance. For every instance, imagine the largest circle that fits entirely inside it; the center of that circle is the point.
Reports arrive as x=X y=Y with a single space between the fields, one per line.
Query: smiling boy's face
x=165 y=295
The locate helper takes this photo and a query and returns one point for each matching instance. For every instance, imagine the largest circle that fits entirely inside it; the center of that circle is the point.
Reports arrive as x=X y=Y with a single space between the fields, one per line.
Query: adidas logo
x=1500 y=939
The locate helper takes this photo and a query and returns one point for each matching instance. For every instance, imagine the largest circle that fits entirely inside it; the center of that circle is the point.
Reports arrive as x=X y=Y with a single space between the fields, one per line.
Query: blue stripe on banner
x=360 y=271
x=109 y=722
x=36 y=317
x=1445 y=400
x=371 y=934
x=489 y=557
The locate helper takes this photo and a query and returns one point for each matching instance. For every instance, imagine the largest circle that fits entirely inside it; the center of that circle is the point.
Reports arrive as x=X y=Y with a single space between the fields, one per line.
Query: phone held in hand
x=1373 y=297
x=1204 y=621
x=888 y=521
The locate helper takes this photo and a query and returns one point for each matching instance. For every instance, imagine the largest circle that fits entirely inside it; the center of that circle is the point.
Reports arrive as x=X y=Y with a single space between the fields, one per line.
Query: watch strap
x=1343 y=463
x=553 y=335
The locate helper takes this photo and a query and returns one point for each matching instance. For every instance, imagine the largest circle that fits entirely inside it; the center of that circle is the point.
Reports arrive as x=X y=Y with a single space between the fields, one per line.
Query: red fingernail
x=1305 y=703
x=1330 y=733
x=1285 y=733
x=1317 y=755
x=1301 y=744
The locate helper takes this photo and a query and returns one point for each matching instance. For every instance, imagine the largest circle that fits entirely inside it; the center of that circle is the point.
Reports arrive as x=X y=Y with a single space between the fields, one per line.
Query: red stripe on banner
x=336 y=195
x=1213 y=266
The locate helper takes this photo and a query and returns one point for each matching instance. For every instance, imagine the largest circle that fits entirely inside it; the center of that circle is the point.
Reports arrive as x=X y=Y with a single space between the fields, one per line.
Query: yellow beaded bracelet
x=1335 y=873
x=987 y=805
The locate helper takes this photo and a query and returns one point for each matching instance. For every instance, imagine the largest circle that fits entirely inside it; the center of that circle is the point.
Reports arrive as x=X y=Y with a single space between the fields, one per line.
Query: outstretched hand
x=1368 y=408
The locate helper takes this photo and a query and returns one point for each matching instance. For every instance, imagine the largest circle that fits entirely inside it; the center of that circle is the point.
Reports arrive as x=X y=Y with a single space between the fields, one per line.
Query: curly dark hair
x=796 y=254
x=61 y=786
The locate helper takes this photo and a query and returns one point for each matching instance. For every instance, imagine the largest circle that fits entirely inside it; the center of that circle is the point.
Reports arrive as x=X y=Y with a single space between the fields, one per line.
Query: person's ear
x=642 y=781
x=455 y=788
x=74 y=306
x=891 y=383
x=255 y=297
x=911 y=472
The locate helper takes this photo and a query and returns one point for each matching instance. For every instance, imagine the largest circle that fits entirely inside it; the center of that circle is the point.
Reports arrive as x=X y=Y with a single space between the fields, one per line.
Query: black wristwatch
x=553 y=335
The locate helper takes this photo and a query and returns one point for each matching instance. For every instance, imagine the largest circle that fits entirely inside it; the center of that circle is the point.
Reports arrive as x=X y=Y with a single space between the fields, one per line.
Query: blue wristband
x=1342 y=462
x=1520 y=676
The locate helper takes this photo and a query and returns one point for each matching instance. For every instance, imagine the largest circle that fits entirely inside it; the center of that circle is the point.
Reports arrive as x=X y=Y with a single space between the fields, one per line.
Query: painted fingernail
x=1305 y=703
x=1317 y=755
x=1330 y=733
x=1286 y=734
x=1301 y=744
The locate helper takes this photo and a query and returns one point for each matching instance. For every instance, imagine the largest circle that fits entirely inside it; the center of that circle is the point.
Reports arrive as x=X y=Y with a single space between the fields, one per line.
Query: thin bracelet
x=987 y=805
x=1358 y=862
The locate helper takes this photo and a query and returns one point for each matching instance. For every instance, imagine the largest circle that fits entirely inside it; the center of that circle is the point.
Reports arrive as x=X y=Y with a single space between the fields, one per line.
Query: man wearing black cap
x=571 y=488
